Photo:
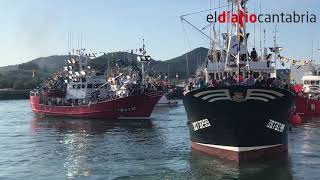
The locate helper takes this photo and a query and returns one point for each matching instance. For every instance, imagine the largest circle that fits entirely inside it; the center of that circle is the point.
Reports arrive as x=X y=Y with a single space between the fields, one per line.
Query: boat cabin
x=86 y=88
x=311 y=84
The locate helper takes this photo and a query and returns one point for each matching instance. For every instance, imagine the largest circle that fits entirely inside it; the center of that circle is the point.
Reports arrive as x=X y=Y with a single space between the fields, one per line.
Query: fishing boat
x=308 y=94
x=80 y=91
x=238 y=119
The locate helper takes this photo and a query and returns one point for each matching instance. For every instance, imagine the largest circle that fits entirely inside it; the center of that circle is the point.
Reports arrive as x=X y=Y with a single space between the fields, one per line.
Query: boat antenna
x=81 y=40
x=312 y=50
x=319 y=53
x=78 y=38
x=318 y=50
x=260 y=24
x=254 y=31
x=69 y=42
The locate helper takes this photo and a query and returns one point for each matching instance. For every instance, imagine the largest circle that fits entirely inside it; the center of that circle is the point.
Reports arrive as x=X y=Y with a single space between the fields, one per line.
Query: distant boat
x=308 y=94
x=164 y=101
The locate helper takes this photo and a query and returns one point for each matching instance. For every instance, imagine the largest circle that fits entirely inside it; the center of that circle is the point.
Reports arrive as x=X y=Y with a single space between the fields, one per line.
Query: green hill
x=178 y=64
x=20 y=76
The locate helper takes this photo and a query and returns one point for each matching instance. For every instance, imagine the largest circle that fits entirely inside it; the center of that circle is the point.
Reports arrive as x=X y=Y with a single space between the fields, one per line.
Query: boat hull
x=306 y=107
x=239 y=122
x=132 y=107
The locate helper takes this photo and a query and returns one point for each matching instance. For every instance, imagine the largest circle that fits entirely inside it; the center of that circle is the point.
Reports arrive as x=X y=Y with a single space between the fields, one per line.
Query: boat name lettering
x=204 y=123
x=275 y=125
x=126 y=109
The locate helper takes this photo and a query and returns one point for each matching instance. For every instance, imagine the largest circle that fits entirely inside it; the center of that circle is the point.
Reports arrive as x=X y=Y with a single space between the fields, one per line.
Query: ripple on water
x=60 y=148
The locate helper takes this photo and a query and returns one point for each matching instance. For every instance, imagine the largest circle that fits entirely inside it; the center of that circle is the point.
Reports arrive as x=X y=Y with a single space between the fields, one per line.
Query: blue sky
x=34 y=28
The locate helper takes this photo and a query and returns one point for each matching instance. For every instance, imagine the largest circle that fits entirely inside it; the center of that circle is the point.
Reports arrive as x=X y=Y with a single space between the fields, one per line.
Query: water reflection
x=205 y=167
x=79 y=141
x=89 y=126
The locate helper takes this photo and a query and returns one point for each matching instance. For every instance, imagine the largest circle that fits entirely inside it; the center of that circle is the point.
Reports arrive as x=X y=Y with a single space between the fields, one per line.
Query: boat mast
x=229 y=36
x=264 y=44
x=187 y=61
x=143 y=53
x=168 y=71
x=275 y=50
x=143 y=58
x=260 y=28
x=319 y=54
x=219 y=29
x=254 y=32
x=239 y=41
x=245 y=36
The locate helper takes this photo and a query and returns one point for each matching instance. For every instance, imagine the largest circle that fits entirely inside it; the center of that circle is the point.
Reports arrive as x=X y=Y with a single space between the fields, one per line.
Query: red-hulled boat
x=131 y=107
x=79 y=91
x=308 y=96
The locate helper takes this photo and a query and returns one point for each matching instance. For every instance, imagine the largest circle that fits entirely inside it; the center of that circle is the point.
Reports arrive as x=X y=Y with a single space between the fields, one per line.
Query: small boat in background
x=308 y=95
x=165 y=102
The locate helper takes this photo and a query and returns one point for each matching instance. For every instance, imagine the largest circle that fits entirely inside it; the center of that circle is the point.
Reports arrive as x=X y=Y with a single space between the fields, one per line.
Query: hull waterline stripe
x=219 y=99
x=265 y=91
x=257 y=98
x=225 y=91
x=212 y=95
x=237 y=149
x=262 y=95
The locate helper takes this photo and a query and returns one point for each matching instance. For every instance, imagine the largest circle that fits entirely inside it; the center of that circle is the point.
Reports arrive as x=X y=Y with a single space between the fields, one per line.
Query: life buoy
x=295 y=120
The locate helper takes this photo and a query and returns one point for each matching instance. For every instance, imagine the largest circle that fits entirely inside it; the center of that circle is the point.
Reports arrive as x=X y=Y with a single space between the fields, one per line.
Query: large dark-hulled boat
x=244 y=115
x=81 y=91
x=239 y=122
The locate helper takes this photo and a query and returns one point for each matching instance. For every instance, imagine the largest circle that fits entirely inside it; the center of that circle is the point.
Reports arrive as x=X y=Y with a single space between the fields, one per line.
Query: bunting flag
x=294 y=61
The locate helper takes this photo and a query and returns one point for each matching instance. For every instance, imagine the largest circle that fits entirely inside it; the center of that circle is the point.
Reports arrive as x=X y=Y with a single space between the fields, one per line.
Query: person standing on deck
x=201 y=83
x=269 y=80
x=214 y=82
x=250 y=81
x=277 y=83
x=240 y=78
x=269 y=57
x=254 y=55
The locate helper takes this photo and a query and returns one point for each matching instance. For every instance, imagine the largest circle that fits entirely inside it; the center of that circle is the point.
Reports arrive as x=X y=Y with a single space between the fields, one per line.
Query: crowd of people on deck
x=264 y=80
x=252 y=56
x=118 y=85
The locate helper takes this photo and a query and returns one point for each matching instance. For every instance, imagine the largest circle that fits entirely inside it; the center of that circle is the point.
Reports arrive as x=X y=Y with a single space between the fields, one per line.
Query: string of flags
x=293 y=61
